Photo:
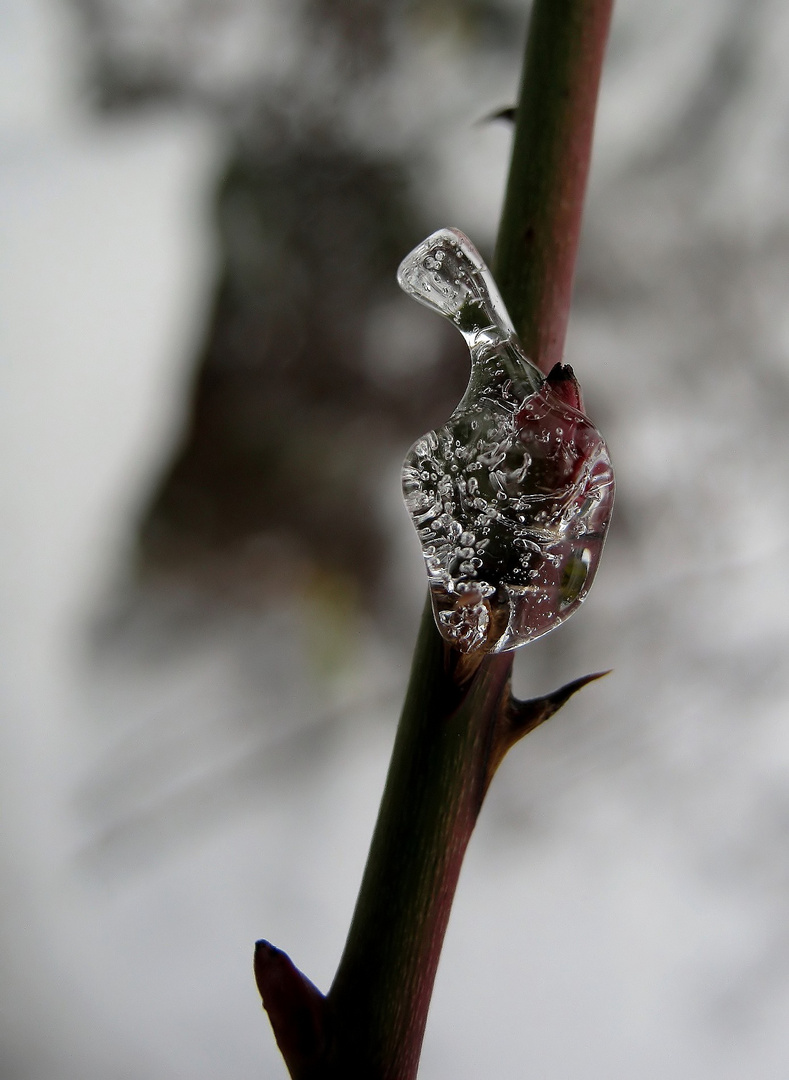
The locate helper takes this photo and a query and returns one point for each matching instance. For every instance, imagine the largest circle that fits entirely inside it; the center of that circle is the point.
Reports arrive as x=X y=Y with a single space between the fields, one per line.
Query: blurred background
x=209 y=587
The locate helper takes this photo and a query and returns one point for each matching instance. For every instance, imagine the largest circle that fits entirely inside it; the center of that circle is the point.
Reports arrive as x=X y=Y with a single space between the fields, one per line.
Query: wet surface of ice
x=512 y=497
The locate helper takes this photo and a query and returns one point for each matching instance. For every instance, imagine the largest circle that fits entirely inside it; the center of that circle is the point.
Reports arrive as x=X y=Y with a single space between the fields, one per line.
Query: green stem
x=459 y=718
x=541 y=219
x=437 y=779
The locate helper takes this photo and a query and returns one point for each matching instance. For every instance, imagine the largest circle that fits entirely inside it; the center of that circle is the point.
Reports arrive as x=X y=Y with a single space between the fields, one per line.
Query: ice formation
x=512 y=497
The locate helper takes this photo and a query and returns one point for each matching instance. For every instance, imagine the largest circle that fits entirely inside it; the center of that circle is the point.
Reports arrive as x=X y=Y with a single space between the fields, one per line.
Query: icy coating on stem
x=512 y=497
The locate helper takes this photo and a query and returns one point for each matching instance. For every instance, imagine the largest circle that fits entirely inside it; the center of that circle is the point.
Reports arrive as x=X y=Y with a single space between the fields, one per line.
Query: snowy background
x=181 y=774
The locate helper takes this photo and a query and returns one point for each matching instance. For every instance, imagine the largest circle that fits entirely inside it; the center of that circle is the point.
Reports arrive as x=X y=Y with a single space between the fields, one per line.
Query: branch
x=554 y=123
x=459 y=717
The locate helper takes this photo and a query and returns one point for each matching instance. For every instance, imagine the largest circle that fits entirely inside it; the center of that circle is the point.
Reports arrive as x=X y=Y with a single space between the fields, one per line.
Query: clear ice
x=512 y=497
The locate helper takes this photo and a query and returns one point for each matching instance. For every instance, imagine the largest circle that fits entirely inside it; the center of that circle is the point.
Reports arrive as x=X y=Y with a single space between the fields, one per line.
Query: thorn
x=507 y=114
x=563 y=382
x=295 y=1007
x=525 y=716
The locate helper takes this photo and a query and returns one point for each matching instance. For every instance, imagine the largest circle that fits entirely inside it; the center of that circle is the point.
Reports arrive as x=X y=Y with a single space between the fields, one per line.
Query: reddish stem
x=541 y=219
x=459 y=718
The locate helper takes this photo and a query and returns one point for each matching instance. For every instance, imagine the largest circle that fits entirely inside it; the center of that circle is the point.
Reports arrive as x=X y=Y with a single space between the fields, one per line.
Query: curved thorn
x=525 y=716
x=507 y=114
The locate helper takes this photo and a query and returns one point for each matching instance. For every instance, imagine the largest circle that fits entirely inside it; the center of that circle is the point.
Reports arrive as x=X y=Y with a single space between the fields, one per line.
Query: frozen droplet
x=513 y=495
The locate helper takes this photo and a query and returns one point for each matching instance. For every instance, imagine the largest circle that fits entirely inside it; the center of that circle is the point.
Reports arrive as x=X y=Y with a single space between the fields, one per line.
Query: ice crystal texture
x=512 y=497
